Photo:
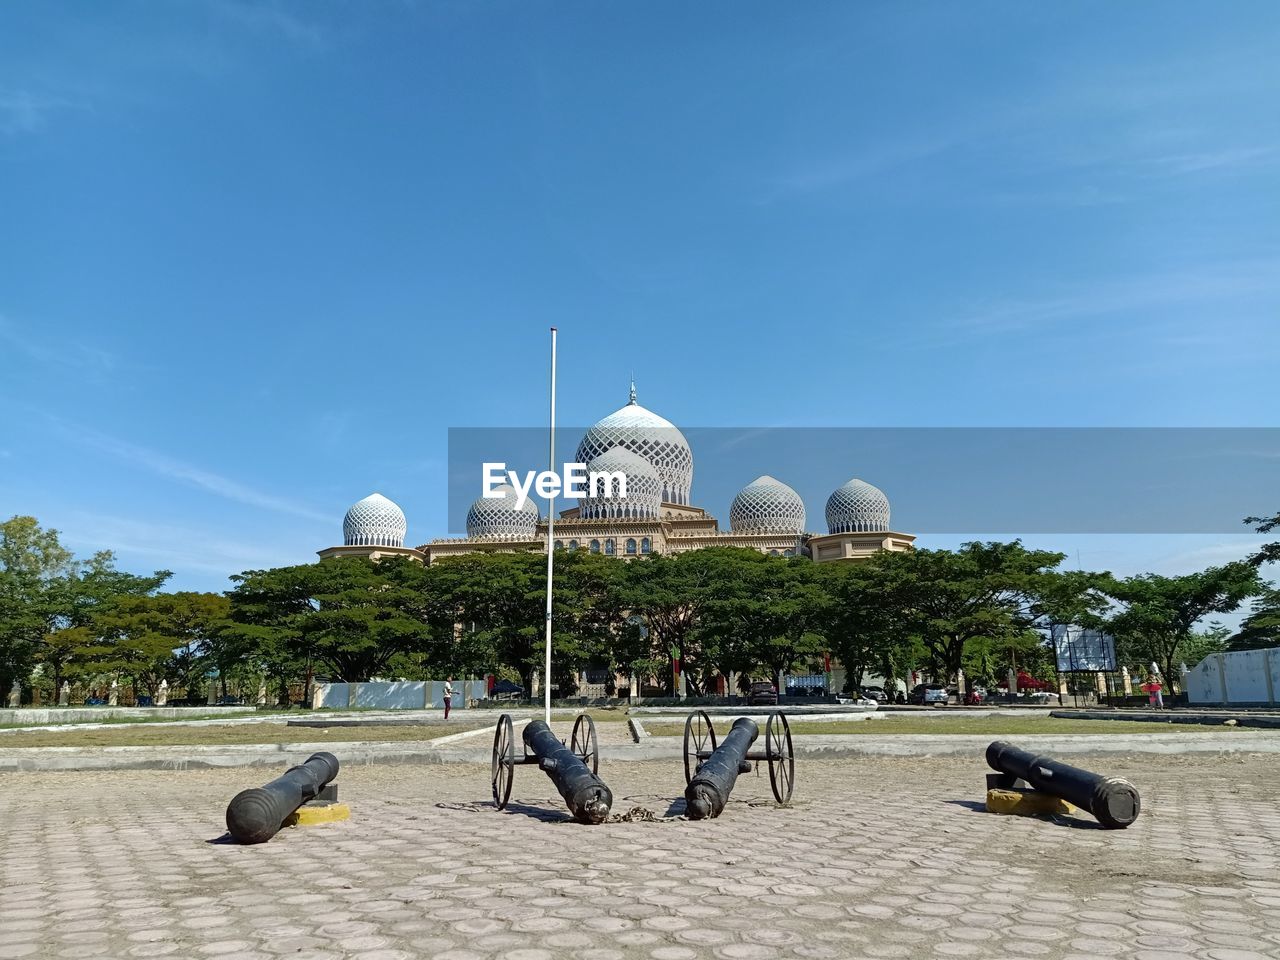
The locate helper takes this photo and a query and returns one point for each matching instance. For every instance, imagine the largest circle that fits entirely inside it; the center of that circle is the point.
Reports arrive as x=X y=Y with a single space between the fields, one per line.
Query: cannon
x=711 y=769
x=256 y=815
x=571 y=768
x=1113 y=800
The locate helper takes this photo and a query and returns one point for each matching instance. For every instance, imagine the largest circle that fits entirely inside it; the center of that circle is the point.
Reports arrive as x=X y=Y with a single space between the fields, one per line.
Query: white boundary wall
x=1240 y=678
x=395 y=695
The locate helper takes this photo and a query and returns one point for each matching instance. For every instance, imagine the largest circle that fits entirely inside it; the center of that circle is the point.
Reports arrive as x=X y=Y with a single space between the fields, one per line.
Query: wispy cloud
x=68 y=352
x=169 y=546
x=24 y=111
x=189 y=474
x=1214 y=283
x=1235 y=158
x=1214 y=554
x=859 y=164
x=266 y=17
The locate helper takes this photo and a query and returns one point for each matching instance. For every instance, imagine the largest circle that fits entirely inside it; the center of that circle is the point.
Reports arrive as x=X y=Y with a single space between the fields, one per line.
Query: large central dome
x=650 y=437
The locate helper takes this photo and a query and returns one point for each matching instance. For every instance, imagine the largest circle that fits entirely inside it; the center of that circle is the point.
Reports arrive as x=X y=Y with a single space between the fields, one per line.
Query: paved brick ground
x=877 y=858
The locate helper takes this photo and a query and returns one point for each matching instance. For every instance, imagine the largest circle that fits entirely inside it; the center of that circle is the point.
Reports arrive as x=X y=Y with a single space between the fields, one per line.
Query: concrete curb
x=837 y=747
x=1270 y=721
x=80 y=716
x=234 y=755
x=829 y=747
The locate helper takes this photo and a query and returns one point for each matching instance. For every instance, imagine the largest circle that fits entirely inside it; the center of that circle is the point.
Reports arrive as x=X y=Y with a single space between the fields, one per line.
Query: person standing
x=448 y=696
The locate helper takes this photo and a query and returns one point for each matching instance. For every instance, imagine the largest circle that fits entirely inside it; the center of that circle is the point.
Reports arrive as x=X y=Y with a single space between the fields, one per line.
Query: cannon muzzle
x=586 y=795
x=708 y=791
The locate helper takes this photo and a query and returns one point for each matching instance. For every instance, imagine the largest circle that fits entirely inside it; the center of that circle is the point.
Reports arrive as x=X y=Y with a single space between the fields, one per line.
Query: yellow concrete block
x=309 y=816
x=1026 y=803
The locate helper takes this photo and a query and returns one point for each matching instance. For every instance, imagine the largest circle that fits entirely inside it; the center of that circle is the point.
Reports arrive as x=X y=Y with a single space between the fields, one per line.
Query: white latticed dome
x=857 y=507
x=644 y=488
x=374 y=522
x=647 y=435
x=500 y=519
x=766 y=505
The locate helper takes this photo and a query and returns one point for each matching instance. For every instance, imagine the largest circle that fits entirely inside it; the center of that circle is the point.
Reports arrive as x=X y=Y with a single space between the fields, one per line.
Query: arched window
x=644 y=545
x=773 y=553
x=631 y=545
x=573 y=544
x=595 y=546
x=788 y=553
x=610 y=547
x=559 y=544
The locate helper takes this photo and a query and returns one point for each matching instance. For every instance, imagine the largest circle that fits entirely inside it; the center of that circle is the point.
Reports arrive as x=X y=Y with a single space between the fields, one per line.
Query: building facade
x=657 y=514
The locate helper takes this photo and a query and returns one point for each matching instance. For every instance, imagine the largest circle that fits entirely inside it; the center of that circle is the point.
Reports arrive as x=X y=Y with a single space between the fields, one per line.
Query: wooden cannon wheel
x=503 y=766
x=698 y=732
x=584 y=743
x=782 y=759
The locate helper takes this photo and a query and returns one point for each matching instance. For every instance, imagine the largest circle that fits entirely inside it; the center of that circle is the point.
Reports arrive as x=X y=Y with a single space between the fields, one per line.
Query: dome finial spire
x=632 y=398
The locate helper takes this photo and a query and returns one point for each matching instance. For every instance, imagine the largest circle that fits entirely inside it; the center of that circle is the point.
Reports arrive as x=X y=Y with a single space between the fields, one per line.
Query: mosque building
x=657 y=514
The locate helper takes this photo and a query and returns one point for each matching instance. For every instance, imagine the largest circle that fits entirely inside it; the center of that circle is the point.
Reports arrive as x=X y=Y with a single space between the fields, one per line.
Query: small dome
x=766 y=505
x=644 y=488
x=498 y=518
x=374 y=522
x=857 y=507
x=649 y=436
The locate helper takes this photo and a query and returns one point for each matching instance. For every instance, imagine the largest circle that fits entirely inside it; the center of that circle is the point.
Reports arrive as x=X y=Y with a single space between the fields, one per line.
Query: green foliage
x=1262 y=627
x=1269 y=552
x=52 y=605
x=982 y=608
x=990 y=593
x=348 y=616
x=1158 y=615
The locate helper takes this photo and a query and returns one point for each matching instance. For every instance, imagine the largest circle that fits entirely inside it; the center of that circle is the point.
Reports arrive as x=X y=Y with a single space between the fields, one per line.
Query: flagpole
x=551 y=521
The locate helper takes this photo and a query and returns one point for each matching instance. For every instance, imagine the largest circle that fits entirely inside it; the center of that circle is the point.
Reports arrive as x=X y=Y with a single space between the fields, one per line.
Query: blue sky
x=257 y=258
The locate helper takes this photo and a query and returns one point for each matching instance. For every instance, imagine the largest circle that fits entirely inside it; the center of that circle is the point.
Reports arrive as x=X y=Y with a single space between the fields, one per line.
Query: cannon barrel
x=585 y=793
x=1113 y=800
x=255 y=815
x=709 y=790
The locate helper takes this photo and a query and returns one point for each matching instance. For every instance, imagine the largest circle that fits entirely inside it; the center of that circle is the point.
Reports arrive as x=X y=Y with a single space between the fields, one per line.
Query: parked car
x=506 y=690
x=875 y=693
x=926 y=693
x=762 y=693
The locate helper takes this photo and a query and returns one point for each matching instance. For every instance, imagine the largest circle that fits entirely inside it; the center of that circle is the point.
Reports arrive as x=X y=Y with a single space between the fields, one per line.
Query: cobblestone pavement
x=877 y=858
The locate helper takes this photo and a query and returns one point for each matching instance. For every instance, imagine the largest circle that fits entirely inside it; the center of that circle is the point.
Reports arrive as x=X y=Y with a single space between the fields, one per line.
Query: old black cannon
x=255 y=815
x=711 y=769
x=1113 y=800
x=572 y=768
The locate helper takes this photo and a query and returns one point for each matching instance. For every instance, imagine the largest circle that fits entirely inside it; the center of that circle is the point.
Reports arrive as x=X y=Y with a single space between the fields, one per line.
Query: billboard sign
x=1080 y=650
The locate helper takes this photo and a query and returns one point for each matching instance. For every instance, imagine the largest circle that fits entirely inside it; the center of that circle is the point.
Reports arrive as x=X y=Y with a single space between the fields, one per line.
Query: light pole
x=551 y=521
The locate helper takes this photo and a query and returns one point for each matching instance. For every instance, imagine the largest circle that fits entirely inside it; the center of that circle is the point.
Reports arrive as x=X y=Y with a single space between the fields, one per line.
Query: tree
x=668 y=592
x=78 y=600
x=496 y=604
x=864 y=625
x=1268 y=552
x=350 y=615
x=31 y=562
x=1159 y=614
x=1262 y=627
x=48 y=599
x=772 y=613
x=983 y=591
x=151 y=638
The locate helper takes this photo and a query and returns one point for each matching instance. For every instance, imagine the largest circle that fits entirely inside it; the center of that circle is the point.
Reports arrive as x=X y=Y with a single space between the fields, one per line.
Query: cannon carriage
x=711 y=767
